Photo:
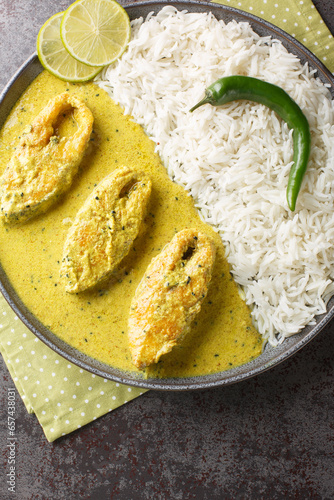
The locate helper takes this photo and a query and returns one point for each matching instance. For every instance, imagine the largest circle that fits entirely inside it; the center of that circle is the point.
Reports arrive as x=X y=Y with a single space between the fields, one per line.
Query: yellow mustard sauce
x=95 y=322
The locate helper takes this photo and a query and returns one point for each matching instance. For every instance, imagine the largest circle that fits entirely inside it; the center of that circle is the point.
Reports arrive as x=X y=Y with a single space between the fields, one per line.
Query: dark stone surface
x=326 y=10
x=270 y=437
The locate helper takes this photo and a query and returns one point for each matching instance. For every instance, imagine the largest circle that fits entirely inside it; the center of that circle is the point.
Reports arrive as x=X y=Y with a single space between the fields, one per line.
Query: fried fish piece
x=169 y=296
x=105 y=228
x=43 y=165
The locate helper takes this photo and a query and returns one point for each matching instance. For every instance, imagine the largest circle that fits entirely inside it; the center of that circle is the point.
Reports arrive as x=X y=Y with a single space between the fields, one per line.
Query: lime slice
x=55 y=58
x=95 y=32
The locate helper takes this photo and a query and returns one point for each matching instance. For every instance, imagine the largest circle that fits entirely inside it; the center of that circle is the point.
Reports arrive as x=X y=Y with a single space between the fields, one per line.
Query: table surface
x=268 y=437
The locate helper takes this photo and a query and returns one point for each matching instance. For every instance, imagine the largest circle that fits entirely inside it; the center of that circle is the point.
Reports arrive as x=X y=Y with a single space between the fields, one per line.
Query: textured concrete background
x=270 y=437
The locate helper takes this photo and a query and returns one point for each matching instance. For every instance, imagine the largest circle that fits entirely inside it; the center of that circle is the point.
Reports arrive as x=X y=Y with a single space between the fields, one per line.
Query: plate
x=271 y=356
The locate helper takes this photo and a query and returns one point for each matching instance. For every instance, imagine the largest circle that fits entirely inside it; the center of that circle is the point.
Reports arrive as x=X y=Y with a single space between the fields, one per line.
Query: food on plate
x=235 y=159
x=44 y=163
x=169 y=296
x=95 y=321
x=222 y=172
x=105 y=228
x=240 y=87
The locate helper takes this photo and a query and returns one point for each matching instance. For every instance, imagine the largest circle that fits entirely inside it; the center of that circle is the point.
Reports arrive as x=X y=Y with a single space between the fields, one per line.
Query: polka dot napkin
x=63 y=396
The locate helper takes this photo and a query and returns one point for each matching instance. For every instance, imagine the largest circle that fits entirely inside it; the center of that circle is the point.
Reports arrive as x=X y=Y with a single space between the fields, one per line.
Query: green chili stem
x=237 y=87
x=206 y=100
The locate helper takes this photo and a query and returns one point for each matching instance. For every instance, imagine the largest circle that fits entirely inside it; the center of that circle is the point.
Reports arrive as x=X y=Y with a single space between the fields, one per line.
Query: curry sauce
x=95 y=321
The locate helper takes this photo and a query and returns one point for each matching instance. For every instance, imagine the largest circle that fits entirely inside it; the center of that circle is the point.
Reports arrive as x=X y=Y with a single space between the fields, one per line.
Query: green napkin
x=63 y=396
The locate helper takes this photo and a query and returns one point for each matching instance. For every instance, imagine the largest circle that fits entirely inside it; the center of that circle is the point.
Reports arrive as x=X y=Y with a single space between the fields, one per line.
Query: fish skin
x=169 y=296
x=104 y=229
x=43 y=166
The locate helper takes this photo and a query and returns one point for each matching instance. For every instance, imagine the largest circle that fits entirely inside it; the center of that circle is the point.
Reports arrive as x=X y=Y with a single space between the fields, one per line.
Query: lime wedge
x=95 y=32
x=55 y=58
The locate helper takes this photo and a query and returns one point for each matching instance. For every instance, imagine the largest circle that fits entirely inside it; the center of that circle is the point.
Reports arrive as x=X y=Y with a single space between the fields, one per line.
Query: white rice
x=235 y=159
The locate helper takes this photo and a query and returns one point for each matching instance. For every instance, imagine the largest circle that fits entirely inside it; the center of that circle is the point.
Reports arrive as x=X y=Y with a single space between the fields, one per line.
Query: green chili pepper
x=238 y=87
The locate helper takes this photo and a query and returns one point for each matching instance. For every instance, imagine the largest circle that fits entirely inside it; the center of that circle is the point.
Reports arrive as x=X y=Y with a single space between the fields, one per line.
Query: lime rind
x=55 y=58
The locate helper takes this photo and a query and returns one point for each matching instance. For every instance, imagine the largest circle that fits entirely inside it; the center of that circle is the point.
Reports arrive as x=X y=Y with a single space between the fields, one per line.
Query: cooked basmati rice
x=235 y=160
